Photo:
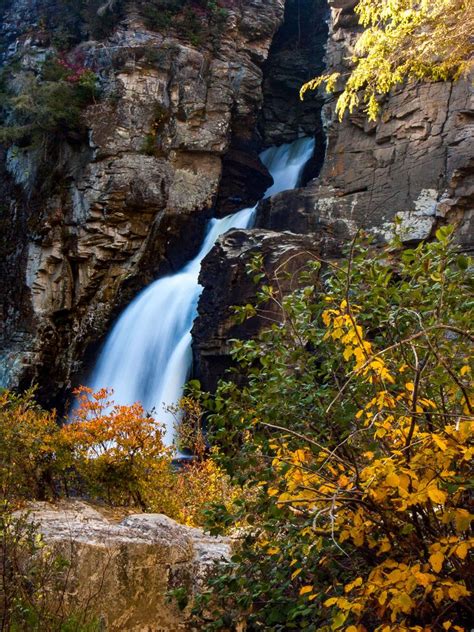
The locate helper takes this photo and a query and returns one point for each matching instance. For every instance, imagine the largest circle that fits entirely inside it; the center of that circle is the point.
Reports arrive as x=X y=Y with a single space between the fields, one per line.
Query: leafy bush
x=195 y=21
x=27 y=460
x=354 y=430
x=39 y=108
x=71 y=21
x=111 y=453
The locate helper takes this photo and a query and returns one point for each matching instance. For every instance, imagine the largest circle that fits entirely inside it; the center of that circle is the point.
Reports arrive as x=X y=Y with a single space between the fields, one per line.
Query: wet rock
x=95 y=223
x=296 y=55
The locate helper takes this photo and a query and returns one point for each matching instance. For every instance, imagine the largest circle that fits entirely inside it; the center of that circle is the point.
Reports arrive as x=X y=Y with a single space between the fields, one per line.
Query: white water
x=148 y=357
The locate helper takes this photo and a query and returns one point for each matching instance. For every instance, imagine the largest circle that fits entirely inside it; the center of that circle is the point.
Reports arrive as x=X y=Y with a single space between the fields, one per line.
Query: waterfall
x=147 y=357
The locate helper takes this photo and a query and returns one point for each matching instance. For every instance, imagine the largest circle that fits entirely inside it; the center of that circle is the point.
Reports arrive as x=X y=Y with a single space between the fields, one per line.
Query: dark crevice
x=296 y=55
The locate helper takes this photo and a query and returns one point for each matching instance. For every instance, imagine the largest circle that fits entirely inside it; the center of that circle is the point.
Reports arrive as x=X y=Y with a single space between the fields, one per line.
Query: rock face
x=296 y=55
x=133 y=202
x=127 y=567
x=226 y=283
x=414 y=165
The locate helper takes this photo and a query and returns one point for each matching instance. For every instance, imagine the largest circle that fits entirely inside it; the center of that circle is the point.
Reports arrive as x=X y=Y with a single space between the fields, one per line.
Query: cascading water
x=147 y=357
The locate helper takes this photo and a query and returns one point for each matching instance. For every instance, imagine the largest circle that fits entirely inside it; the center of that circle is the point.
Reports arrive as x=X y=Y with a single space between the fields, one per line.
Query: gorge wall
x=413 y=170
x=85 y=229
x=172 y=140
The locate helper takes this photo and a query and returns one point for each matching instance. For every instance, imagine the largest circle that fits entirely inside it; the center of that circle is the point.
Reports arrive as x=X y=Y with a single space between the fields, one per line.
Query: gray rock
x=122 y=569
x=131 y=205
x=227 y=283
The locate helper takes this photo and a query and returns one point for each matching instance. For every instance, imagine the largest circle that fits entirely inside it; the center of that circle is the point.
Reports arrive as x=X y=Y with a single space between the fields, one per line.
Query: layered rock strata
x=414 y=166
x=133 y=202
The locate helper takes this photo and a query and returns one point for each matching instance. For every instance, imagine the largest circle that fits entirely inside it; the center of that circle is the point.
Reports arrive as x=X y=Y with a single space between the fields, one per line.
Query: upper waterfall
x=147 y=357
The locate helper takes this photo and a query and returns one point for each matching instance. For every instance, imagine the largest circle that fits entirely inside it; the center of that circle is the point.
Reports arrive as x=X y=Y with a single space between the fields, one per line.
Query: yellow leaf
x=348 y=352
x=457 y=591
x=465 y=369
x=351 y=628
x=306 y=589
x=439 y=442
x=436 y=561
x=296 y=573
x=406 y=602
x=273 y=550
x=462 y=519
x=410 y=386
x=339 y=620
x=447 y=625
x=272 y=491
x=436 y=495
x=329 y=602
x=392 y=480
x=462 y=550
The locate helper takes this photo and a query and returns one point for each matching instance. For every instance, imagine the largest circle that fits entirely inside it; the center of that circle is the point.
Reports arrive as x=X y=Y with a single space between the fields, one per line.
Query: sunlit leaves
x=354 y=424
x=407 y=39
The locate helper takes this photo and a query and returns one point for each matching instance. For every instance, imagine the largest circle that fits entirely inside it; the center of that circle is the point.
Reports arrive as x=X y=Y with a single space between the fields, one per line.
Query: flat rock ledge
x=123 y=568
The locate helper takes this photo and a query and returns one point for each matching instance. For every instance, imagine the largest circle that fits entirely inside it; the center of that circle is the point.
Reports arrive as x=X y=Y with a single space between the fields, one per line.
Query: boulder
x=121 y=568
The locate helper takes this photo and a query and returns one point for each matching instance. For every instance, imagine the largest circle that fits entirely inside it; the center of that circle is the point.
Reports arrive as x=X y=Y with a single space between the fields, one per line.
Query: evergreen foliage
x=46 y=106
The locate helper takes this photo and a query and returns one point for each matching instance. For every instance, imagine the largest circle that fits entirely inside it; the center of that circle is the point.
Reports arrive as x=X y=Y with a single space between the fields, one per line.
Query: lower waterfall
x=147 y=357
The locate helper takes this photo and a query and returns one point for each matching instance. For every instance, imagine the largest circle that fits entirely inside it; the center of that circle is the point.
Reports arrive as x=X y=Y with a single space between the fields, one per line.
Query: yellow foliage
x=111 y=452
x=377 y=502
x=426 y=40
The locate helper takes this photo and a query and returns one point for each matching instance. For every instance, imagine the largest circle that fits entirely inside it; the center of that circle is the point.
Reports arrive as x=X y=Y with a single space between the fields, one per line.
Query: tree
x=351 y=432
x=428 y=40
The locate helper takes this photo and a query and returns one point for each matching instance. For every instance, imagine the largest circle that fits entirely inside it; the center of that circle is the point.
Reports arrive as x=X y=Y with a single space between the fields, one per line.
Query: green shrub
x=351 y=431
x=44 y=107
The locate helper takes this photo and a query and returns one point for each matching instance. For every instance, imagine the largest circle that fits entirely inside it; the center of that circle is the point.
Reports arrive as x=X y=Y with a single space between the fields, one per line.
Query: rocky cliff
x=412 y=171
x=414 y=166
x=173 y=138
x=84 y=229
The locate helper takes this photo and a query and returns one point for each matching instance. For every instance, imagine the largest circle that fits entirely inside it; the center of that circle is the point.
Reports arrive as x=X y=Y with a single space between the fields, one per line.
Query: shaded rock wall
x=226 y=283
x=296 y=55
x=133 y=202
x=415 y=164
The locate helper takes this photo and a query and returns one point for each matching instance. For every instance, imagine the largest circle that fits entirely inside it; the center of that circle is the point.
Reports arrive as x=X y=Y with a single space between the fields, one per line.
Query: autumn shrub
x=200 y=480
x=28 y=457
x=107 y=453
x=117 y=451
x=352 y=420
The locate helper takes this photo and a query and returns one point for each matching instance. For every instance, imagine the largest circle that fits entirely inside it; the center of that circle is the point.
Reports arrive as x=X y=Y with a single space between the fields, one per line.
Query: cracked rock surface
x=128 y=564
x=131 y=203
